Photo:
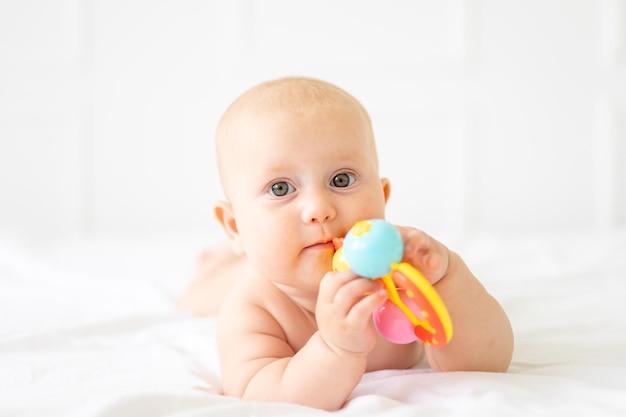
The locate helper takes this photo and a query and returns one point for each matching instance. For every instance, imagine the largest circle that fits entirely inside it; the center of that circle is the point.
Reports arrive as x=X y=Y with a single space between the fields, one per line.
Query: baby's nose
x=318 y=209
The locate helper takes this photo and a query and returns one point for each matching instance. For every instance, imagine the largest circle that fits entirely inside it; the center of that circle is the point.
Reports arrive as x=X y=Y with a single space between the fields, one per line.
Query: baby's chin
x=305 y=271
x=305 y=276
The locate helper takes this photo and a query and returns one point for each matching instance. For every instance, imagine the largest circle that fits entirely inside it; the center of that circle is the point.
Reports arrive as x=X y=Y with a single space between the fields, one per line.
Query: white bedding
x=89 y=329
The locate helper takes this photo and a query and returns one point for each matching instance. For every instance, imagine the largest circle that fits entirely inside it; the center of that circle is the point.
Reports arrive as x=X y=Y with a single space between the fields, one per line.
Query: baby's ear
x=384 y=182
x=223 y=211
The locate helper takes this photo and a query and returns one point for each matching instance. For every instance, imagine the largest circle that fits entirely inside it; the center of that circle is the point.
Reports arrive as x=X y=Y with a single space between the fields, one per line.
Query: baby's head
x=298 y=164
x=291 y=96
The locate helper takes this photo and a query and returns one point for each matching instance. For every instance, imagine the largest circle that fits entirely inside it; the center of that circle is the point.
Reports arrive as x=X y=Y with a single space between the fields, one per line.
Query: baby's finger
x=424 y=253
x=353 y=292
x=332 y=282
x=363 y=309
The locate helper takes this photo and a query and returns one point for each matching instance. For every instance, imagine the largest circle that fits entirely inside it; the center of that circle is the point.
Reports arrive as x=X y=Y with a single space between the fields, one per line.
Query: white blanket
x=89 y=329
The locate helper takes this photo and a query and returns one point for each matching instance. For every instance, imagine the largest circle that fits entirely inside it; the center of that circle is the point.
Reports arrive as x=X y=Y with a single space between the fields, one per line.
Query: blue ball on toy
x=371 y=247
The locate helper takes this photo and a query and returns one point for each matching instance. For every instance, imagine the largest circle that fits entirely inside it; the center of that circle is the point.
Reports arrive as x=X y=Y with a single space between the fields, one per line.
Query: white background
x=500 y=117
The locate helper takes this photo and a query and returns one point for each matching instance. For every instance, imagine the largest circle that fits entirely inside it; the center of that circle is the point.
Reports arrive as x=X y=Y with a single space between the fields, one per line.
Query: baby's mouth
x=334 y=244
x=322 y=246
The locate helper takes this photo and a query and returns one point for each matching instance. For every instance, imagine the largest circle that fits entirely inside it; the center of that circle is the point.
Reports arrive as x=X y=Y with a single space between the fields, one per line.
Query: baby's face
x=297 y=180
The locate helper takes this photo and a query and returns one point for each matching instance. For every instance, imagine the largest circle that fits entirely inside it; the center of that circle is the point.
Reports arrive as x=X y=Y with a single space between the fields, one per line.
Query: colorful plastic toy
x=373 y=249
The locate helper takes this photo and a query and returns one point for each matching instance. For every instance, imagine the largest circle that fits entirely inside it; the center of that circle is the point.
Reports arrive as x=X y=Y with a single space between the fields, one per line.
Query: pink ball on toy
x=393 y=324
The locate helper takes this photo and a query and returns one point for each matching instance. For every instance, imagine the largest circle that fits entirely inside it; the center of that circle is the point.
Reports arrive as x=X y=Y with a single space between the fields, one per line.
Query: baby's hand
x=426 y=254
x=344 y=309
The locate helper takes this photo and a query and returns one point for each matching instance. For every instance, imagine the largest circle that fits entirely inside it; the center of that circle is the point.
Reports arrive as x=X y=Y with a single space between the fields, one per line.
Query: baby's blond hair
x=296 y=94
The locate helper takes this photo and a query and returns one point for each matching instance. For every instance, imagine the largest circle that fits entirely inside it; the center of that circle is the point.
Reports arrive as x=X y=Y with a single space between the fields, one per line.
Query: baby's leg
x=217 y=271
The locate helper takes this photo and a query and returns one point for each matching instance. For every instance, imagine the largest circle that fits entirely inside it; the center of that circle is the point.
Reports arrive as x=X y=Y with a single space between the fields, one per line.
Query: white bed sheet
x=89 y=329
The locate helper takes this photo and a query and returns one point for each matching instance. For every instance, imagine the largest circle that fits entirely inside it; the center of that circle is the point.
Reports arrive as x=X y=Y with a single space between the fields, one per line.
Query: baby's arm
x=483 y=338
x=261 y=358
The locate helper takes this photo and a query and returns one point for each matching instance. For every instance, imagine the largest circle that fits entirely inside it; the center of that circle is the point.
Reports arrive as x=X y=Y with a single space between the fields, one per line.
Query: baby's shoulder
x=252 y=290
x=253 y=296
x=259 y=306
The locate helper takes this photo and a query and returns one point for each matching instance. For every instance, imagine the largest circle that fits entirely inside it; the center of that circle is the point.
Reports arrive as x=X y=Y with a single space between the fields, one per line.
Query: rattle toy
x=373 y=249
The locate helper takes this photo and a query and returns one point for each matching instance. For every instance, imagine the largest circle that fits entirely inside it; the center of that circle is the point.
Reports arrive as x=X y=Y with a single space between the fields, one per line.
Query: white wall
x=492 y=116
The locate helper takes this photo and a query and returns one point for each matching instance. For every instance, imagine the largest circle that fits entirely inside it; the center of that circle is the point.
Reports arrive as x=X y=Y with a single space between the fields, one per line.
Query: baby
x=298 y=165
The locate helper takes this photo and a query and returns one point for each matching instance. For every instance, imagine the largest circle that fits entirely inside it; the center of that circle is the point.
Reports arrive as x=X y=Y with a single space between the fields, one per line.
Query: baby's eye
x=343 y=180
x=281 y=188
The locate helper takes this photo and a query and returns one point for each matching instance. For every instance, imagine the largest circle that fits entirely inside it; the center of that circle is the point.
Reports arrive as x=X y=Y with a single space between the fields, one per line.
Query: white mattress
x=89 y=329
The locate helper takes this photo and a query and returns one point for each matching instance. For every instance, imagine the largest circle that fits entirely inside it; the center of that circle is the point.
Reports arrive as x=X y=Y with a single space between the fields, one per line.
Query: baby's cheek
x=268 y=259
